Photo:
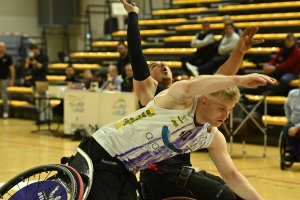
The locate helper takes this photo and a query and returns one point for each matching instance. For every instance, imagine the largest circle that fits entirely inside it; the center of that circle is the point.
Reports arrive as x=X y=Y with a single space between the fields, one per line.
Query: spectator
x=37 y=63
x=226 y=46
x=100 y=76
x=127 y=85
x=70 y=75
x=6 y=66
x=124 y=59
x=113 y=81
x=284 y=66
x=204 y=42
x=227 y=19
x=291 y=131
x=87 y=78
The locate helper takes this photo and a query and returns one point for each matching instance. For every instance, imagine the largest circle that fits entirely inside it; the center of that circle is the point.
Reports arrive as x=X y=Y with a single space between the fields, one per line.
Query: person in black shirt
x=204 y=42
x=37 y=62
x=176 y=170
x=70 y=75
x=127 y=84
x=6 y=66
x=124 y=59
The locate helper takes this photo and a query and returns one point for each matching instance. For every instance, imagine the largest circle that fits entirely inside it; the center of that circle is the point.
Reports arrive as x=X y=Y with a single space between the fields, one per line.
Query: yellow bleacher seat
x=171 y=64
x=179 y=11
x=294 y=83
x=266 y=36
x=253 y=50
x=22 y=90
x=263 y=50
x=260 y=24
x=268 y=16
x=270 y=99
x=142 y=32
x=63 y=66
x=274 y=120
x=17 y=103
x=256 y=6
x=183 y=2
x=54 y=102
x=247 y=65
x=95 y=55
x=169 y=50
x=55 y=78
x=177 y=64
x=109 y=43
x=161 y=21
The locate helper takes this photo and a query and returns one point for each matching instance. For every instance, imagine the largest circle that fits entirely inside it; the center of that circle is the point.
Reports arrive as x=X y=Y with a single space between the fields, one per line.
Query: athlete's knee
x=225 y=193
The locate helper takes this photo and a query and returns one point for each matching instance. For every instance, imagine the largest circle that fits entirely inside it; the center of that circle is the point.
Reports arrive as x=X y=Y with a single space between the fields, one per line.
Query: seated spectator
x=284 y=66
x=87 y=78
x=113 y=82
x=127 y=85
x=70 y=75
x=124 y=59
x=227 y=19
x=226 y=46
x=291 y=131
x=204 y=42
x=100 y=76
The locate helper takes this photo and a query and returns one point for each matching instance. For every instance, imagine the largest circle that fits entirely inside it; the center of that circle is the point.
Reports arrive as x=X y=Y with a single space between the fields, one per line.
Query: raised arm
x=182 y=92
x=144 y=85
x=232 y=65
x=234 y=179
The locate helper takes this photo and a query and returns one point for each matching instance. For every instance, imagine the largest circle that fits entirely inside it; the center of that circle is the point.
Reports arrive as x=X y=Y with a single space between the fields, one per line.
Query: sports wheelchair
x=284 y=151
x=69 y=181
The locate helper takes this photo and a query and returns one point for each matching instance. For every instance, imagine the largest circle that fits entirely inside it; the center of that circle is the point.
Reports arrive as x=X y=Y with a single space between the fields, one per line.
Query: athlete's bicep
x=220 y=156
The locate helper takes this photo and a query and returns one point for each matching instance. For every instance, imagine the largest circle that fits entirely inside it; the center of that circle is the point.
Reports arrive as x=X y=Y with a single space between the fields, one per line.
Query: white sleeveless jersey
x=152 y=134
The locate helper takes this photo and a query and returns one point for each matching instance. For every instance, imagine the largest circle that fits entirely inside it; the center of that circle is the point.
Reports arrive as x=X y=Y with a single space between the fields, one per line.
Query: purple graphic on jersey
x=196 y=140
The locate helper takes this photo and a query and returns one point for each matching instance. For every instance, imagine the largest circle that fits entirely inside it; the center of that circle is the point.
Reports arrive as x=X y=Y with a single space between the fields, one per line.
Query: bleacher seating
x=260 y=24
x=179 y=11
x=260 y=6
x=78 y=66
x=185 y=2
x=256 y=17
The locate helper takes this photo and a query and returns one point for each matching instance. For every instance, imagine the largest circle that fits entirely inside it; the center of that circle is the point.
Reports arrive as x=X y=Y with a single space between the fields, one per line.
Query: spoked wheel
x=42 y=182
x=284 y=151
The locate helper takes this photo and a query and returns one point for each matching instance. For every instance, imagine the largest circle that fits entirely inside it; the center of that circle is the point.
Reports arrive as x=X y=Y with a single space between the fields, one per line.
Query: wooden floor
x=20 y=149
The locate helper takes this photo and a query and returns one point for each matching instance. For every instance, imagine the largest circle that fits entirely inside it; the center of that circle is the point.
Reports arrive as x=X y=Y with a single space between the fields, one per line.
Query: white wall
x=19 y=16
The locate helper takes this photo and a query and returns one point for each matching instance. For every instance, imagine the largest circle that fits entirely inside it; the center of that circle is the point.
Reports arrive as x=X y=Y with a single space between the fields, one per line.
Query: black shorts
x=203 y=185
x=111 y=179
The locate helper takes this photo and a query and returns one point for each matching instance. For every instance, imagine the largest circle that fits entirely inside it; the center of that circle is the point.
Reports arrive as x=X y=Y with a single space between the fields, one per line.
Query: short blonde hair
x=231 y=94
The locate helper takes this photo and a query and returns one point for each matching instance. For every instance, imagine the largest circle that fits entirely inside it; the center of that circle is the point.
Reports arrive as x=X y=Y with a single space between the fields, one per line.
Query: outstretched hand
x=253 y=80
x=246 y=40
x=130 y=7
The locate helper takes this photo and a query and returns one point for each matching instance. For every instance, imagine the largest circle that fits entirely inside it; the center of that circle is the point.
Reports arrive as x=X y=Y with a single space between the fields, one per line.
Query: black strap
x=184 y=175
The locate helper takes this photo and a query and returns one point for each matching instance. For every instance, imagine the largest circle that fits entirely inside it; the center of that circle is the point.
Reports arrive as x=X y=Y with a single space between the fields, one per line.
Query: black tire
x=78 y=179
x=282 y=165
x=53 y=180
x=284 y=151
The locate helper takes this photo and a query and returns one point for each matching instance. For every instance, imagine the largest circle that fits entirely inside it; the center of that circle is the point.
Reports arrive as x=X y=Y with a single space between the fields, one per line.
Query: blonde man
x=179 y=120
